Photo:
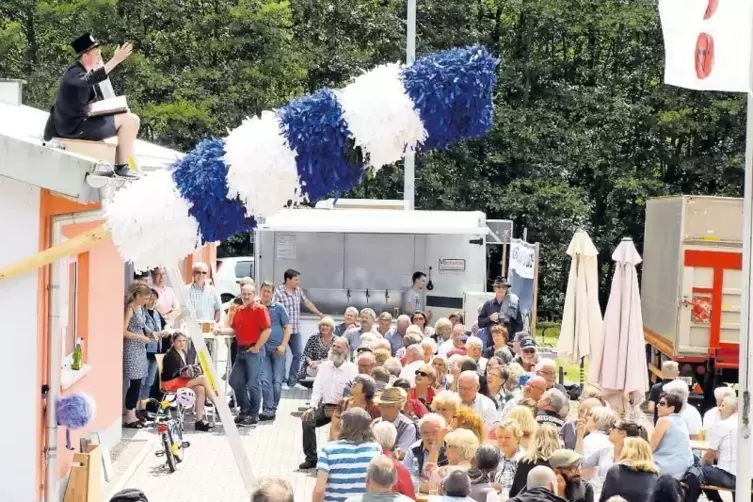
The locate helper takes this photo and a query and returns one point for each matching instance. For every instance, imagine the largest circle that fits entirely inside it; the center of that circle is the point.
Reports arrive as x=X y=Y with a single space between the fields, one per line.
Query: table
x=216 y=354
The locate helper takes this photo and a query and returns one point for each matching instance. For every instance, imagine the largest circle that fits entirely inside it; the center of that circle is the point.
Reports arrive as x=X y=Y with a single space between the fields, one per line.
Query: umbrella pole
x=745 y=379
x=582 y=374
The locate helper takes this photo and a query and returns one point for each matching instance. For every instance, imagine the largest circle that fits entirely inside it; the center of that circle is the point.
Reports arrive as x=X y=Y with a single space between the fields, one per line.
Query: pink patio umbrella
x=581 y=318
x=619 y=365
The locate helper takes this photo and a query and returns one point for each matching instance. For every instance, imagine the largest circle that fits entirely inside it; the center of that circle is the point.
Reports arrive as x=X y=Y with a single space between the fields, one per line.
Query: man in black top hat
x=503 y=309
x=78 y=89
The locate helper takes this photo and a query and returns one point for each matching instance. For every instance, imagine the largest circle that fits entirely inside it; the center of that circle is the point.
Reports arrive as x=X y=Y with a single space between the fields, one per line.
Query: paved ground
x=208 y=471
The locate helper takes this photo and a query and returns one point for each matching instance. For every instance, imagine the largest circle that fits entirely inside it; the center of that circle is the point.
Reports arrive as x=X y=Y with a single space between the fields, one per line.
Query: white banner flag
x=522 y=257
x=707 y=43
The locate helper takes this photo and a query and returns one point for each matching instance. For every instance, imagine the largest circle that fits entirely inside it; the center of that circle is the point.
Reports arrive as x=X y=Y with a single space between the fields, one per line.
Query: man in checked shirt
x=292 y=296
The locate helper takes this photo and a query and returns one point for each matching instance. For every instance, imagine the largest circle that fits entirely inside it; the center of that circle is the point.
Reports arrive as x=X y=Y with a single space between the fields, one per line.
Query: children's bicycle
x=170 y=430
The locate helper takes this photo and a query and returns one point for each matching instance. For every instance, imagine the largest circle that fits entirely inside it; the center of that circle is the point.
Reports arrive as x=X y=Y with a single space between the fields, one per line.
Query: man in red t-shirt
x=251 y=328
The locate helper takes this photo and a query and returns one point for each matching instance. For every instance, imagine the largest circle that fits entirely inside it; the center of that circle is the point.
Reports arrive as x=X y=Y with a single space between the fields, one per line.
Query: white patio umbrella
x=581 y=320
x=621 y=372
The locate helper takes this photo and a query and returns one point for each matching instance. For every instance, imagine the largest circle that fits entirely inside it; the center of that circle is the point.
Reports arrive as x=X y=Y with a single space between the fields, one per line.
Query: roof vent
x=12 y=91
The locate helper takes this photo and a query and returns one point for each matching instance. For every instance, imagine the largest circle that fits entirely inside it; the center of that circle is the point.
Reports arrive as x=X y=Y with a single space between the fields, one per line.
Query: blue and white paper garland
x=317 y=145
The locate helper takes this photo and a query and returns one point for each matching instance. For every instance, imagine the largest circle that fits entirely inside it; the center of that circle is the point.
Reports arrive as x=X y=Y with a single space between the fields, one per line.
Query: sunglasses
x=422 y=373
x=201 y=273
x=529 y=351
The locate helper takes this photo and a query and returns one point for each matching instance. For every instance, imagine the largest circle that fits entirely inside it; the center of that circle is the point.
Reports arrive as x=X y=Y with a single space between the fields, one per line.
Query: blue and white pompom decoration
x=315 y=146
x=150 y=223
x=262 y=169
x=74 y=411
x=202 y=179
x=381 y=116
x=325 y=156
x=453 y=93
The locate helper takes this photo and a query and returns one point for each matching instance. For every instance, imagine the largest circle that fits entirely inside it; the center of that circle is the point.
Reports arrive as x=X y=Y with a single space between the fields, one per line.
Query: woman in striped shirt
x=341 y=470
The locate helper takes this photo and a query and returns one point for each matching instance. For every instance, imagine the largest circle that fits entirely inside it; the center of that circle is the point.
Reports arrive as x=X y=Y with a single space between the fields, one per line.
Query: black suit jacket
x=77 y=89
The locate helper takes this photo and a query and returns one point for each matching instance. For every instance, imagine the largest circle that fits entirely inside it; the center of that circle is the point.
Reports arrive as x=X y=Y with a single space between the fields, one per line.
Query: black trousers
x=132 y=395
x=322 y=416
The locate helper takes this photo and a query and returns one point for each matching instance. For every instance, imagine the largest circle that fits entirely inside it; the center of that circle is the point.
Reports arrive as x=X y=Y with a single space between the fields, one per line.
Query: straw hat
x=391 y=396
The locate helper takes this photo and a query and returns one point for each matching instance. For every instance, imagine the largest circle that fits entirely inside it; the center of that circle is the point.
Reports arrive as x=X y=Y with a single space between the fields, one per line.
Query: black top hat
x=85 y=42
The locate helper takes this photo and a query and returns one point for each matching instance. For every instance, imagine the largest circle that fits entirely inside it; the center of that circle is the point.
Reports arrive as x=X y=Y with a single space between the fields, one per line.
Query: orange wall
x=104 y=343
x=49 y=206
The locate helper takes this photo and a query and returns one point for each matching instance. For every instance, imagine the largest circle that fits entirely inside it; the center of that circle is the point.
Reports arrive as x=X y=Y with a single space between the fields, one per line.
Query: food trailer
x=363 y=254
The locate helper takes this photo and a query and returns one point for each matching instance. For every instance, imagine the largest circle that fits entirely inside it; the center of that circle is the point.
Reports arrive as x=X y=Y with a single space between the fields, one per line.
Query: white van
x=229 y=273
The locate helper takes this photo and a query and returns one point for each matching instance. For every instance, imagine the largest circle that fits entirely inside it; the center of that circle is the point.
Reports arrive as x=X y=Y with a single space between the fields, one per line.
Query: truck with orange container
x=691 y=289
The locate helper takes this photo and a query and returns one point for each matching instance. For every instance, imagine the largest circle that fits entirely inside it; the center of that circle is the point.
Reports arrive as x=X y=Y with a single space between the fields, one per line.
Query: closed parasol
x=581 y=320
x=621 y=371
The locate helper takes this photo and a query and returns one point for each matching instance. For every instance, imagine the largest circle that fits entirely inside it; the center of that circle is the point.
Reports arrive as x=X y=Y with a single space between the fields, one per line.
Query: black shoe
x=308 y=464
x=123 y=171
x=202 y=425
x=239 y=418
x=248 y=421
x=267 y=416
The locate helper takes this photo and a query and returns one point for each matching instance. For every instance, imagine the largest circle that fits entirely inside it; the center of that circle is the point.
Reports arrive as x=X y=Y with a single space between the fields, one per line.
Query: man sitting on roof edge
x=78 y=89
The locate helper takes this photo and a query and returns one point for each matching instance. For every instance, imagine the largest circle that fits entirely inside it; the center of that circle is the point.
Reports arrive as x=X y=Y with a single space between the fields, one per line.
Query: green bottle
x=76 y=365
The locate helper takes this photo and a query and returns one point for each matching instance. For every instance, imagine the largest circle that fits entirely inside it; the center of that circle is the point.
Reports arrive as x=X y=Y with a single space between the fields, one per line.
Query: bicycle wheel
x=168 y=452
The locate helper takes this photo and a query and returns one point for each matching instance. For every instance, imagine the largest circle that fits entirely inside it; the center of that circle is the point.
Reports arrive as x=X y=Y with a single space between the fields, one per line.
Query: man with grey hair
x=395 y=335
x=202 y=295
x=428 y=429
x=332 y=378
x=711 y=417
x=552 y=406
x=381 y=476
x=542 y=485
x=547 y=369
x=689 y=413
x=670 y=370
x=273 y=490
x=394 y=367
x=350 y=320
x=723 y=444
x=414 y=359
x=469 y=384
x=354 y=333
x=455 y=344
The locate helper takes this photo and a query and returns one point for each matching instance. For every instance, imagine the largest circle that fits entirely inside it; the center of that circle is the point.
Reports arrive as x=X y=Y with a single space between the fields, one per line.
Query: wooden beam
x=74 y=245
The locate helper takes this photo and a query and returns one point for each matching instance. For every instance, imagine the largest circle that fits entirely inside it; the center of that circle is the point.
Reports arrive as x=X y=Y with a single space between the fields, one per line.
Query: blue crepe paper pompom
x=326 y=160
x=74 y=411
x=453 y=91
x=201 y=178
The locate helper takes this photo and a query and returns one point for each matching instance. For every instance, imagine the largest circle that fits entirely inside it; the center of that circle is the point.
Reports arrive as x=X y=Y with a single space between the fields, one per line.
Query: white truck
x=691 y=288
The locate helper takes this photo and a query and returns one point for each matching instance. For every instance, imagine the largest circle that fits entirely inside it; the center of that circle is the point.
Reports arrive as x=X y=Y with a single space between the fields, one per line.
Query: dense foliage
x=585 y=129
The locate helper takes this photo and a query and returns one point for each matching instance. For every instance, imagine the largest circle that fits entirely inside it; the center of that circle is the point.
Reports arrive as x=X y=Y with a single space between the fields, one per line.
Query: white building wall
x=19 y=231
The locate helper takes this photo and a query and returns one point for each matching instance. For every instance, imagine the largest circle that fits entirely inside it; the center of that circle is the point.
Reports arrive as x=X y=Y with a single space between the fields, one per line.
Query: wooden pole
x=535 y=309
x=70 y=247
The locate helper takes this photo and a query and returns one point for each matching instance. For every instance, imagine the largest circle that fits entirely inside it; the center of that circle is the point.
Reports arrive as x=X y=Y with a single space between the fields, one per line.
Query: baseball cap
x=501 y=282
x=527 y=343
x=564 y=458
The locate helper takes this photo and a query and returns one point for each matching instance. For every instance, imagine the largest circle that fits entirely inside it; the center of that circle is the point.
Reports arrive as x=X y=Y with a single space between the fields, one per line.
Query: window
x=244 y=269
x=70 y=294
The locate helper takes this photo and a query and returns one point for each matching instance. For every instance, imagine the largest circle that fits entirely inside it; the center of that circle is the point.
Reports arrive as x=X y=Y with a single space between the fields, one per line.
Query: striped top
x=346 y=464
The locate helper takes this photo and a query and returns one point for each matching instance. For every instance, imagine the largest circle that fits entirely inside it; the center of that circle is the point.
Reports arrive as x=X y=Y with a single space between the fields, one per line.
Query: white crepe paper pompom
x=261 y=166
x=150 y=223
x=381 y=116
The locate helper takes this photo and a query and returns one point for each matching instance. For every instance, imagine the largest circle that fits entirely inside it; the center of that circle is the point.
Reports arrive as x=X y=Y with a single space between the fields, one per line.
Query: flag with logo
x=707 y=43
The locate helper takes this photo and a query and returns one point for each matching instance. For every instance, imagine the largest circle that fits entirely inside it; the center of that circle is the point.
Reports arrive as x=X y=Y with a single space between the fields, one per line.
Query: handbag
x=191 y=371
